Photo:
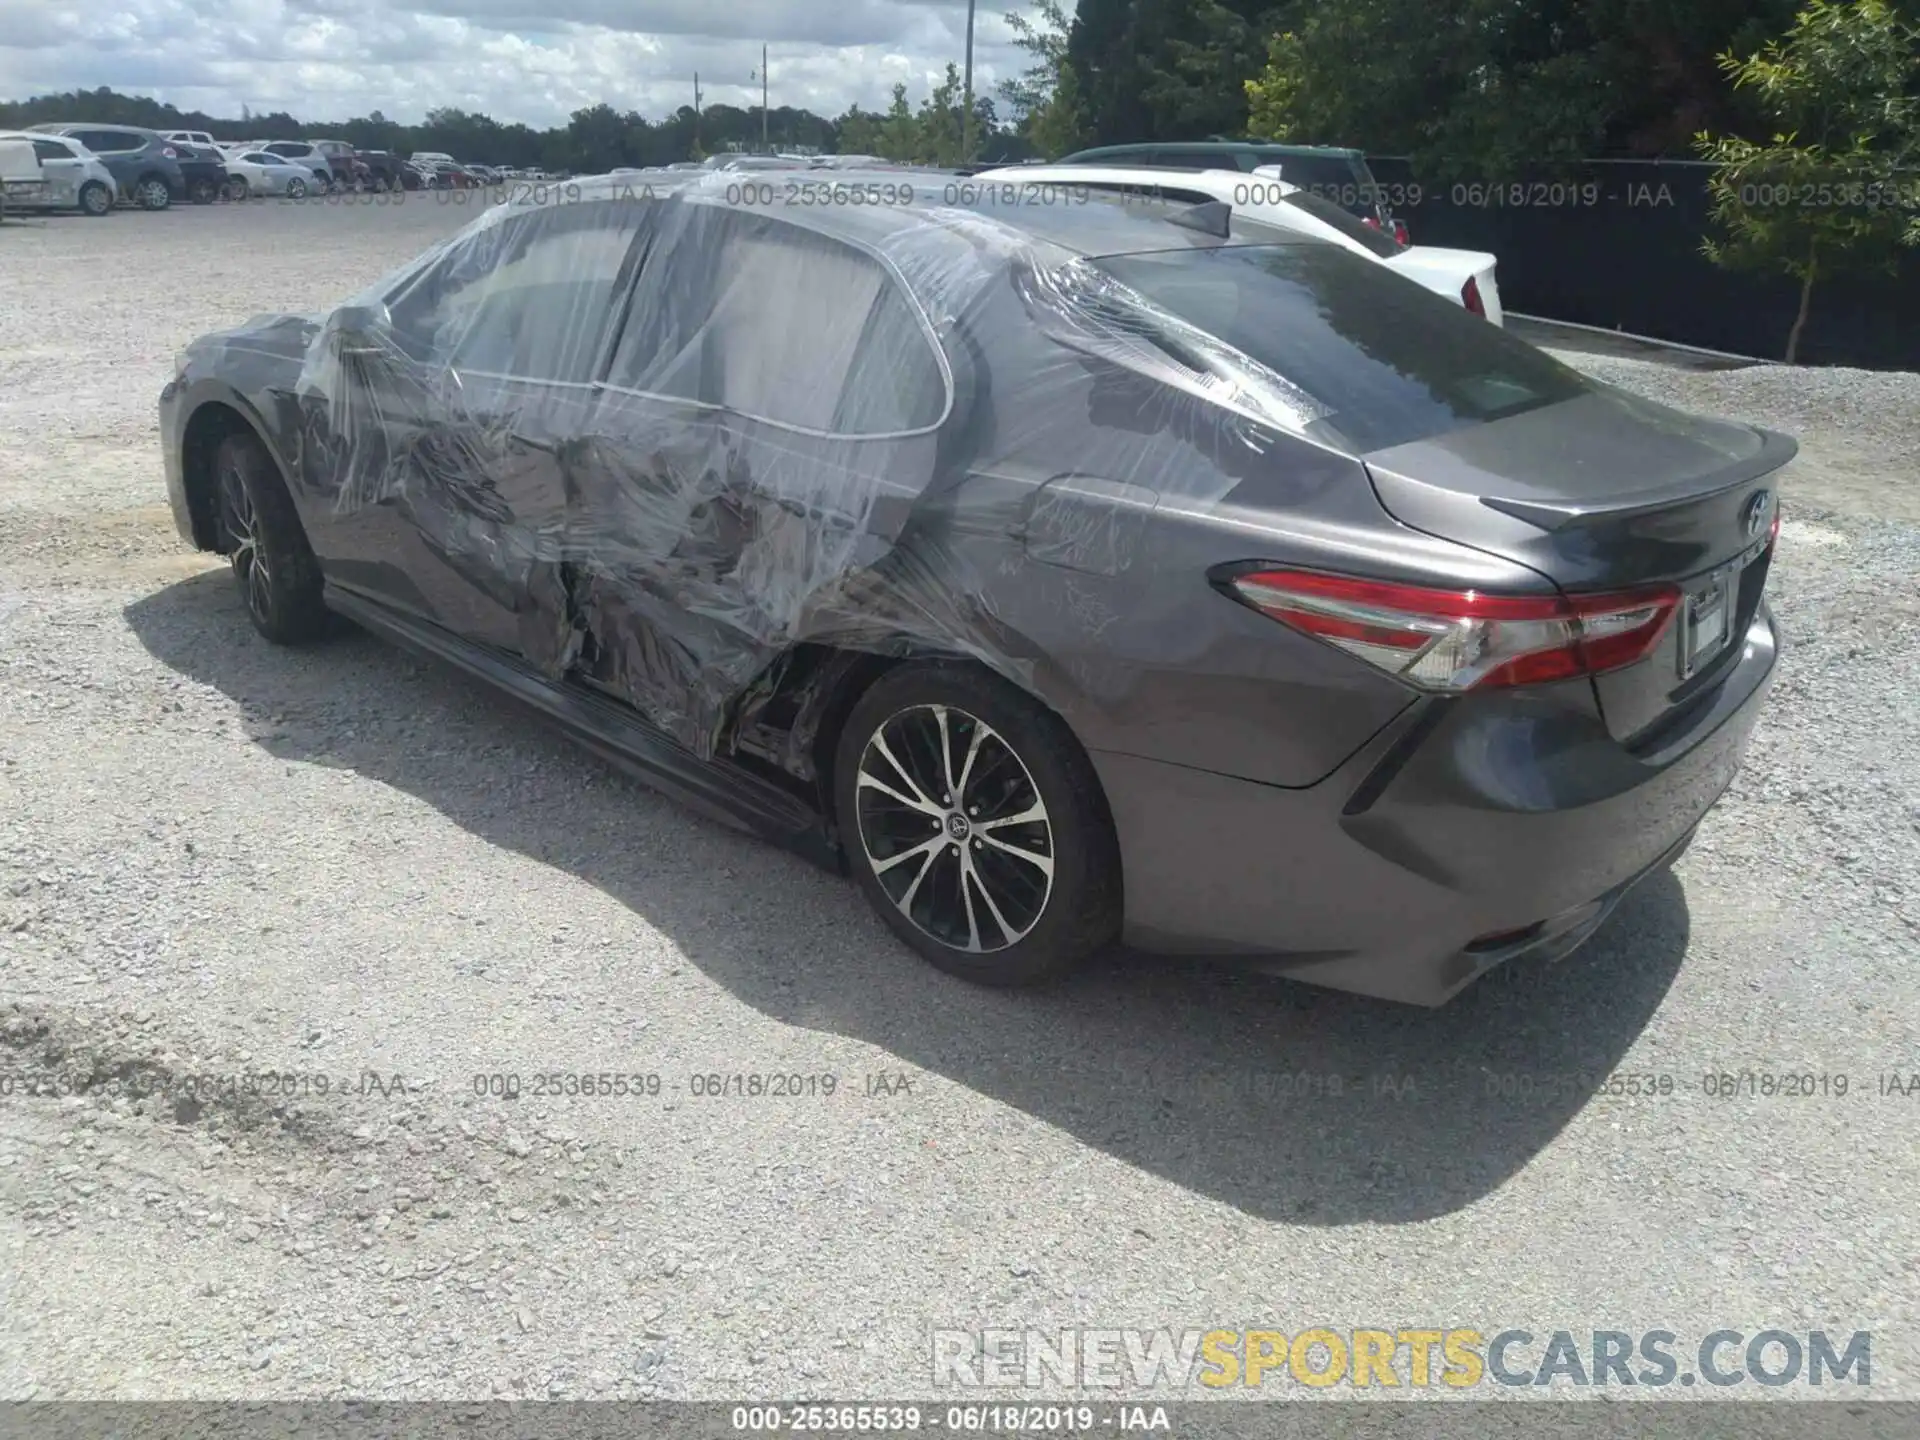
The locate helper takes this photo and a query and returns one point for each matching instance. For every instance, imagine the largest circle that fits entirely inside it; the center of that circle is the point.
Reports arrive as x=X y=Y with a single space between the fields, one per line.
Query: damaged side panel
x=671 y=456
x=642 y=443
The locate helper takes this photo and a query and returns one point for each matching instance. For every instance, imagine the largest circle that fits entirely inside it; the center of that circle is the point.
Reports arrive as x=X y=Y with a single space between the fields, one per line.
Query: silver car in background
x=76 y=178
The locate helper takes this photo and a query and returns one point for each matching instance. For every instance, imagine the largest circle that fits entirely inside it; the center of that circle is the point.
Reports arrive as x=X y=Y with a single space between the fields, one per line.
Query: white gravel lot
x=220 y=857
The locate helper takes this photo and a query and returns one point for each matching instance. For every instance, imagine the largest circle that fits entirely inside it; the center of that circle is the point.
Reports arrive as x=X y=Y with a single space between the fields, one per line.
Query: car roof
x=916 y=207
x=1217 y=184
x=939 y=233
x=1223 y=147
x=63 y=127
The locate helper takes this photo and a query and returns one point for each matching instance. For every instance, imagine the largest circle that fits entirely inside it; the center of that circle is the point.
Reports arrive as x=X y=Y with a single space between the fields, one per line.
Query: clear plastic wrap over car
x=672 y=546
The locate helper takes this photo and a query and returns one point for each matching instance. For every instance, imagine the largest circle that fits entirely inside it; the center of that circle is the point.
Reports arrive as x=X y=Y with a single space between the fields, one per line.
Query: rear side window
x=108 y=141
x=1387 y=362
x=778 y=323
x=52 y=150
x=1378 y=242
x=1342 y=180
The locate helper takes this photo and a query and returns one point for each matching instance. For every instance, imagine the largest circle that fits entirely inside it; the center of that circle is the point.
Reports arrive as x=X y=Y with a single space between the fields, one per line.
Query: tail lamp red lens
x=1457 y=640
x=1470 y=297
x=1400 y=232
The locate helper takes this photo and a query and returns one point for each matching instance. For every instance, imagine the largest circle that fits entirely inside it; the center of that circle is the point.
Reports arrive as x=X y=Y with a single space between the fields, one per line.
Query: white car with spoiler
x=1465 y=277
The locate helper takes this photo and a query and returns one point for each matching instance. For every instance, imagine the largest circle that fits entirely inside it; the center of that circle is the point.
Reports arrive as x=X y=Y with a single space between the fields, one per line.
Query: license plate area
x=1704 y=627
x=1706 y=612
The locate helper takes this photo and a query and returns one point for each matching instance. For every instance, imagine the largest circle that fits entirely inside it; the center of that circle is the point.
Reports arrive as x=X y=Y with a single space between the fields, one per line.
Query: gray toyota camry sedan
x=1071 y=568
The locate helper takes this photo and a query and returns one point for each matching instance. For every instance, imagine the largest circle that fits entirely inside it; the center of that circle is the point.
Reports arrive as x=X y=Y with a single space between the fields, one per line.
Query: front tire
x=203 y=192
x=237 y=189
x=273 y=565
x=975 y=825
x=296 y=189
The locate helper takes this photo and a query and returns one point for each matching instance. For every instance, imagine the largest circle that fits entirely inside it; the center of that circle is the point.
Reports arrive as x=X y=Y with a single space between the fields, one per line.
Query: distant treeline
x=595 y=139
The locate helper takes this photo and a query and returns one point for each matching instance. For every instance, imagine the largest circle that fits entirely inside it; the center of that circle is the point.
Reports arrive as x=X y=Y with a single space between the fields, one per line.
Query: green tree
x=1831 y=189
x=940 y=140
x=1046 y=99
x=1489 y=89
x=898 y=134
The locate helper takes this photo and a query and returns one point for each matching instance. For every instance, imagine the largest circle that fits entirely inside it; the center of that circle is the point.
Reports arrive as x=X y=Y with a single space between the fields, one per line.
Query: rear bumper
x=1462 y=838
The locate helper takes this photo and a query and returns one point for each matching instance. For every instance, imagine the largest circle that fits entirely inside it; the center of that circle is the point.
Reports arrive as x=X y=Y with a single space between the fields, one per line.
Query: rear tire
x=95 y=199
x=273 y=565
x=152 y=193
x=1003 y=871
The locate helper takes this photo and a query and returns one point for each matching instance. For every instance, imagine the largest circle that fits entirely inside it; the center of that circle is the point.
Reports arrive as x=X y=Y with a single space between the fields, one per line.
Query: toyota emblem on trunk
x=1756 y=512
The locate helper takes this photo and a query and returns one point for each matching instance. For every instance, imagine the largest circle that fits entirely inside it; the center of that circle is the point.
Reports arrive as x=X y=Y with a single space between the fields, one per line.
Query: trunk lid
x=1609 y=491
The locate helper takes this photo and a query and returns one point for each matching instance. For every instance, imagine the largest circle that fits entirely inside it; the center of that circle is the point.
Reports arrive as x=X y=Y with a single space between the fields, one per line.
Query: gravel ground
x=219 y=857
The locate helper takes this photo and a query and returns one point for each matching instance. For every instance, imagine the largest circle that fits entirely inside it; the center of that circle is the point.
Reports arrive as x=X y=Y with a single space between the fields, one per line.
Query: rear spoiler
x=1775 y=451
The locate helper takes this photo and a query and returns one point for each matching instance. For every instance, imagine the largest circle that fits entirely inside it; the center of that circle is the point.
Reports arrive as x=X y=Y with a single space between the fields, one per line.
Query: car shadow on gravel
x=1286 y=1102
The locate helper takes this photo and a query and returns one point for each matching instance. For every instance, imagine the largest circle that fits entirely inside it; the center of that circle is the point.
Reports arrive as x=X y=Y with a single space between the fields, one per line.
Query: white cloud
x=534 y=61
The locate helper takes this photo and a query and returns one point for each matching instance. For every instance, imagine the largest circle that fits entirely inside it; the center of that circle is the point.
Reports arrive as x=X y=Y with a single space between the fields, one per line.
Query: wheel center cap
x=957 y=826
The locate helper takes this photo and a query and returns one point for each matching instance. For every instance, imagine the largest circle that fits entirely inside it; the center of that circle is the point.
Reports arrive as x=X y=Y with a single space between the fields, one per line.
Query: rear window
x=1387 y=362
x=1378 y=242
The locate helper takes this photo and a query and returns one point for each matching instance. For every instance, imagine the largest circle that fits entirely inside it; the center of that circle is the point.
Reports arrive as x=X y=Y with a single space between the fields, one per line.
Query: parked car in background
x=425 y=158
x=258 y=172
x=145 y=165
x=340 y=157
x=1331 y=172
x=204 y=169
x=1126 y=569
x=308 y=155
x=76 y=178
x=415 y=177
x=193 y=137
x=382 y=170
x=1466 y=277
x=22 y=185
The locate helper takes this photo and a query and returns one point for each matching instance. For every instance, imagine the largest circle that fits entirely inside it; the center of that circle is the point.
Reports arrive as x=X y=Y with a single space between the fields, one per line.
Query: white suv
x=1465 y=277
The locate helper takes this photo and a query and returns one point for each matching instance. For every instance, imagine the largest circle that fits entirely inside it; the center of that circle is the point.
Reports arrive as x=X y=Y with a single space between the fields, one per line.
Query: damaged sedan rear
x=1071 y=572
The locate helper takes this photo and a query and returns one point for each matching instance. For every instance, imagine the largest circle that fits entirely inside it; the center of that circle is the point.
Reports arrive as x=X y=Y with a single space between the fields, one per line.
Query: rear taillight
x=1455 y=640
x=1370 y=220
x=1401 y=233
x=1470 y=297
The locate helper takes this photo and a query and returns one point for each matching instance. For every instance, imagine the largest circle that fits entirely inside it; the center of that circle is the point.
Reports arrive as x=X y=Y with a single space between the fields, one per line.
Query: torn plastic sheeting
x=746 y=477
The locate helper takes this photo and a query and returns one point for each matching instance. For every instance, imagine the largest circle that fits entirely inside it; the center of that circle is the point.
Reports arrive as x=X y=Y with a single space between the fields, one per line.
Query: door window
x=529 y=298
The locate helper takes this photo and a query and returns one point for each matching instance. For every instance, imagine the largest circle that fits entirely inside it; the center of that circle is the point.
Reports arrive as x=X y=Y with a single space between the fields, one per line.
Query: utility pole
x=966 y=118
x=765 y=148
x=696 y=109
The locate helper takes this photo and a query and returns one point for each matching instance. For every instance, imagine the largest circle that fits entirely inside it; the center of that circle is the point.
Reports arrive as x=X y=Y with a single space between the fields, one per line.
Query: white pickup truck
x=22 y=183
